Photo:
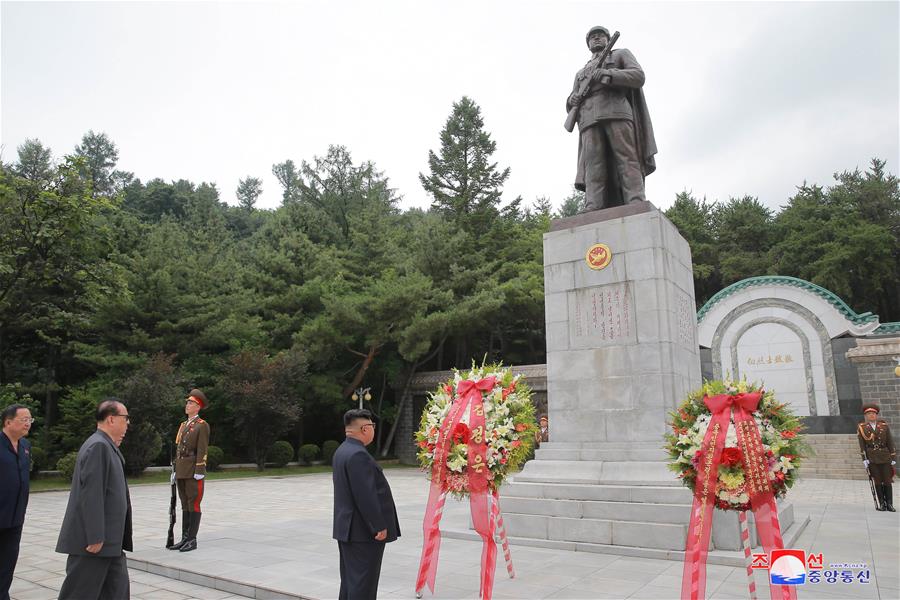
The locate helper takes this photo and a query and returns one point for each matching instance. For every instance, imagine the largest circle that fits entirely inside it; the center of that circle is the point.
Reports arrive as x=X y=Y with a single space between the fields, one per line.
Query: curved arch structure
x=778 y=330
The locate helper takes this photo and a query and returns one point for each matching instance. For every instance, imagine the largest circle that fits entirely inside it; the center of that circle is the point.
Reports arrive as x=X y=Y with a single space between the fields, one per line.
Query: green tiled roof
x=887 y=328
x=828 y=296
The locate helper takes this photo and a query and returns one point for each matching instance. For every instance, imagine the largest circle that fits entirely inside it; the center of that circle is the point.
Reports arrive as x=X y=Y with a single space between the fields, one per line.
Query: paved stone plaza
x=271 y=538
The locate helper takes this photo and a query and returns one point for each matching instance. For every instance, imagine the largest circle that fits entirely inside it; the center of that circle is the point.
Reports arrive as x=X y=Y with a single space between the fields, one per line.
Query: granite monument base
x=621 y=354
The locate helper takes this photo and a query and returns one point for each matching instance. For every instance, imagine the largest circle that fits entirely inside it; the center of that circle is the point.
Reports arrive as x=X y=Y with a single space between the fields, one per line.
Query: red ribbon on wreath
x=469 y=396
x=756 y=477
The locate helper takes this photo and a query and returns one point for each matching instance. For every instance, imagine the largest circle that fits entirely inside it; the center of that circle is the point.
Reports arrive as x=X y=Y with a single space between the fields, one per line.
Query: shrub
x=214 y=458
x=281 y=453
x=66 y=465
x=38 y=460
x=308 y=453
x=140 y=447
x=328 y=450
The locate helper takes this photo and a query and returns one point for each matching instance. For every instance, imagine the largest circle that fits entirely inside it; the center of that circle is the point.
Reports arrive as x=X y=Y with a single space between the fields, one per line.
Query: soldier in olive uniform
x=190 y=468
x=878 y=454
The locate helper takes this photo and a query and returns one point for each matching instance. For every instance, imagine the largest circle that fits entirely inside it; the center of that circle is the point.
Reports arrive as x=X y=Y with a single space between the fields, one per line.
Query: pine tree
x=464 y=183
x=247 y=192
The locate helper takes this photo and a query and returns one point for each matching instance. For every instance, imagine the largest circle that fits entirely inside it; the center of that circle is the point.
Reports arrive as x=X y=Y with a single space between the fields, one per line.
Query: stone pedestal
x=621 y=341
x=622 y=353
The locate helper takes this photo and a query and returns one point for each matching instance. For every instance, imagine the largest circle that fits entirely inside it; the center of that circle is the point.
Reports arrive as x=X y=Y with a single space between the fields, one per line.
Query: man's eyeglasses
x=127 y=419
x=28 y=420
x=363 y=427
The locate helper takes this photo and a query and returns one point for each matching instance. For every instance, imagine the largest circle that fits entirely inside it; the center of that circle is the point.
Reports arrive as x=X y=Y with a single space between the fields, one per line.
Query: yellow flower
x=731 y=481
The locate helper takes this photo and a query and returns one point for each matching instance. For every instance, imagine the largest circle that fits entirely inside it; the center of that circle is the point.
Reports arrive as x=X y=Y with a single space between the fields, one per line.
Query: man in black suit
x=15 y=463
x=97 y=525
x=365 y=517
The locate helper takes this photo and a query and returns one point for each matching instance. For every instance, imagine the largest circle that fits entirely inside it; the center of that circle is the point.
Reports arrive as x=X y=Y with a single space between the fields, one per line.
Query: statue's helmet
x=595 y=29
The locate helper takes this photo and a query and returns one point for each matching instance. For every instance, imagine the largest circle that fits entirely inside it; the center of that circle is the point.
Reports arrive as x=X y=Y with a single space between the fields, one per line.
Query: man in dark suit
x=15 y=463
x=97 y=525
x=365 y=517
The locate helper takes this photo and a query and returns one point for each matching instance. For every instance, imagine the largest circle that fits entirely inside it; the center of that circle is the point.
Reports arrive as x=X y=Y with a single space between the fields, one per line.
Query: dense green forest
x=114 y=286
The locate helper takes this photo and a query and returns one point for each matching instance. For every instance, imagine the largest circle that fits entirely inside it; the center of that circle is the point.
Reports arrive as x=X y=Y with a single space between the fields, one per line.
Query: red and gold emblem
x=598 y=256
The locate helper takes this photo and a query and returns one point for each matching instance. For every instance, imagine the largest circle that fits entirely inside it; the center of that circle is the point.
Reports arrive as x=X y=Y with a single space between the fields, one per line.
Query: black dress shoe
x=189 y=545
x=890 y=507
x=880 y=508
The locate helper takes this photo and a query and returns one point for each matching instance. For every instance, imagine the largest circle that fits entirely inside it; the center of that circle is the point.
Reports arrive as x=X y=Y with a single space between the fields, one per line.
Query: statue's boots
x=185 y=528
x=888 y=497
x=191 y=543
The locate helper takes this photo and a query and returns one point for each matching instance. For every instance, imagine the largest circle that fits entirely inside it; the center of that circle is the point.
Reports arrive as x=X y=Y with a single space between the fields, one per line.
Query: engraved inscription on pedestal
x=686 y=324
x=602 y=316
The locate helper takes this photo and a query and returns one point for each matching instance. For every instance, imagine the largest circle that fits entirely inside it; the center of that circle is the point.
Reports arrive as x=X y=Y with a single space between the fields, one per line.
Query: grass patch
x=55 y=483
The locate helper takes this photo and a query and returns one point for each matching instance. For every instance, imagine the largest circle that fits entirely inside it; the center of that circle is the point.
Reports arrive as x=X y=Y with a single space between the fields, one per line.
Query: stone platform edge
x=606 y=214
x=726 y=558
x=214 y=582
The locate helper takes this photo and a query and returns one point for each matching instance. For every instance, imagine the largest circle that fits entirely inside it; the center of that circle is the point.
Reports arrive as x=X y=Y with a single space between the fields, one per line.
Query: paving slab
x=271 y=538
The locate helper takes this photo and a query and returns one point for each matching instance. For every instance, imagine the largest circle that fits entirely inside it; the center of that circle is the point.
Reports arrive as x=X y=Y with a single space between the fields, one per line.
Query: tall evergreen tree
x=694 y=220
x=34 y=162
x=463 y=182
x=287 y=175
x=744 y=233
x=100 y=156
x=846 y=238
x=572 y=205
x=248 y=191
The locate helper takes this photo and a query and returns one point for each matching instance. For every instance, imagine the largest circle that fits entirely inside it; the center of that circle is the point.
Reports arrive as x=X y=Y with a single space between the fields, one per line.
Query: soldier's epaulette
x=199 y=420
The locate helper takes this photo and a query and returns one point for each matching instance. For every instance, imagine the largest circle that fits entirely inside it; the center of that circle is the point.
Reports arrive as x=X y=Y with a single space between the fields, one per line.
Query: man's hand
x=198 y=477
x=574 y=99
x=94 y=548
x=381 y=535
x=866 y=462
x=601 y=74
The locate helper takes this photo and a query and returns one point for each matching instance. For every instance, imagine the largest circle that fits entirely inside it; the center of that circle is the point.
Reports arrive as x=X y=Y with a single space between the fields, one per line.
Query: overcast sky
x=746 y=98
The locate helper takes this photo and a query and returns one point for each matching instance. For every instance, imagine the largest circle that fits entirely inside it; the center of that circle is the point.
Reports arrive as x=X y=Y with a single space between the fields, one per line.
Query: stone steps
x=661 y=536
x=601 y=510
x=600 y=455
x=578 y=471
x=836 y=456
x=633 y=492
x=715 y=557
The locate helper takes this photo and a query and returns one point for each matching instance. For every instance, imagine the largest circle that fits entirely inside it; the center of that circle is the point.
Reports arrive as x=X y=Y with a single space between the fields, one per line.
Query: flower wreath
x=509 y=427
x=782 y=444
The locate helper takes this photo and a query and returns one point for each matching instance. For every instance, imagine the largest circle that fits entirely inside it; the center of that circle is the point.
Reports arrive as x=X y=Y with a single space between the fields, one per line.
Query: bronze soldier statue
x=878 y=454
x=616 y=146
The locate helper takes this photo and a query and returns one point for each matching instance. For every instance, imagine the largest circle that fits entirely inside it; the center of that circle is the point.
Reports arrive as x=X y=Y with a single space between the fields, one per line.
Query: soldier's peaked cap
x=871 y=406
x=199 y=396
x=599 y=28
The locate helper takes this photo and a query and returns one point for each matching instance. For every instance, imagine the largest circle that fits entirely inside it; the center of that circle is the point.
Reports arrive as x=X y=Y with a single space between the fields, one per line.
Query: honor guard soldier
x=190 y=468
x=878 y=454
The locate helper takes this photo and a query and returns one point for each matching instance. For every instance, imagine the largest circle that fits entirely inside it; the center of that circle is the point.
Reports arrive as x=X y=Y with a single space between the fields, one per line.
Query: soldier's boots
x=888 y=497
x=191 y=543
x=185 y=528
